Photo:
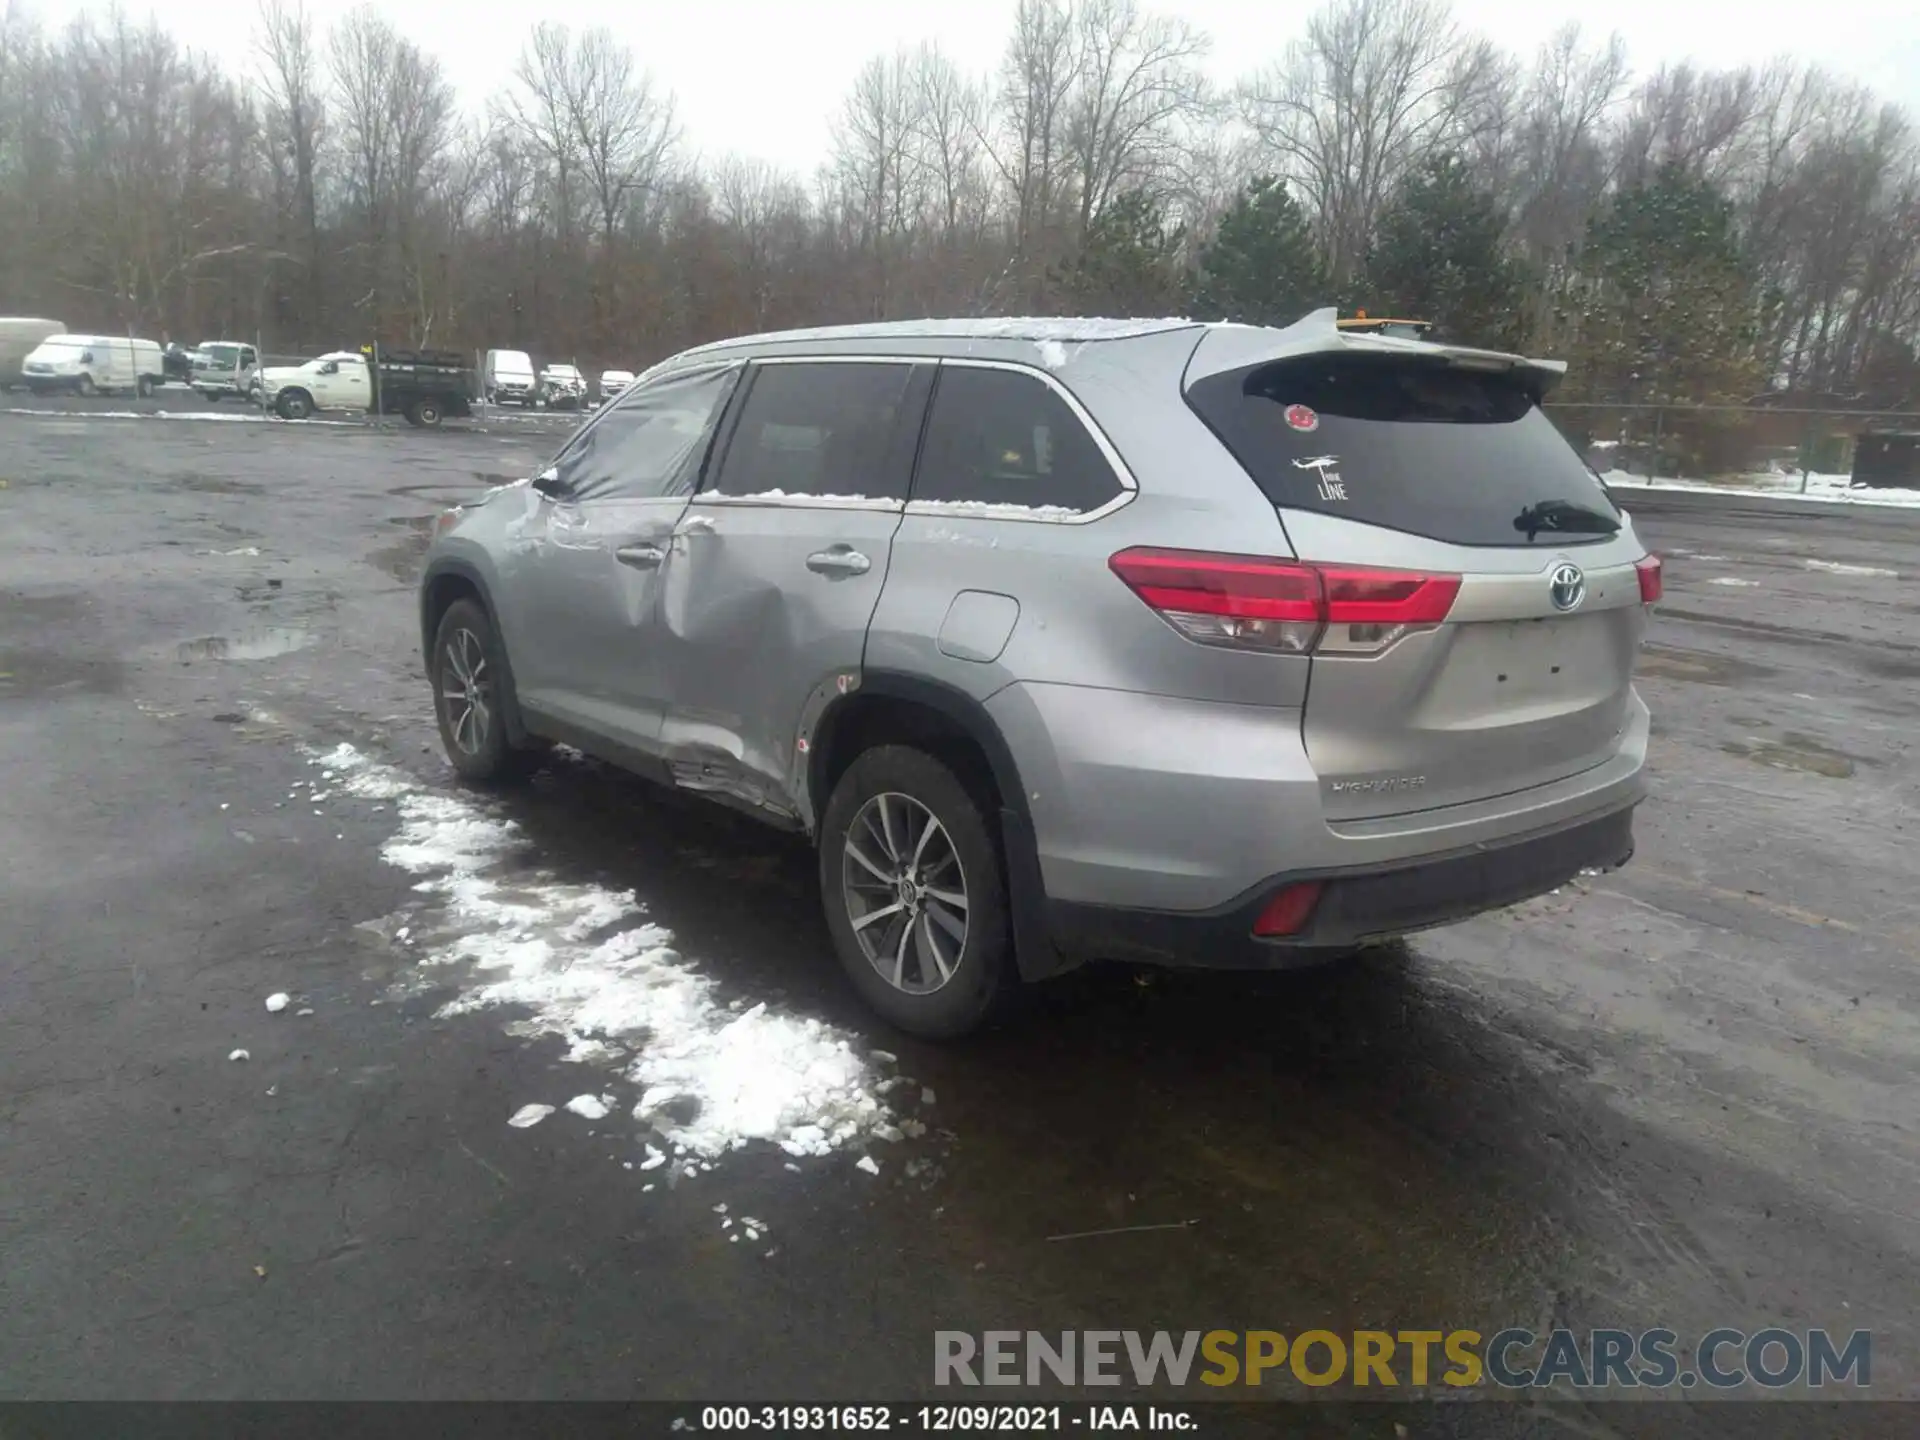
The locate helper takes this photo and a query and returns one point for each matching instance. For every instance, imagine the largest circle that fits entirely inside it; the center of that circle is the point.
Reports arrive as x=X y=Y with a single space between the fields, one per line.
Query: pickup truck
x=426 y=386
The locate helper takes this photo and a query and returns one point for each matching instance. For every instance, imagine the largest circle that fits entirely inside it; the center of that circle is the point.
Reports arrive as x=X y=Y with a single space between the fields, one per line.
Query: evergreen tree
x=1666 y=306
x=1439 y=254
x=1129 y=264
x=1262 y=266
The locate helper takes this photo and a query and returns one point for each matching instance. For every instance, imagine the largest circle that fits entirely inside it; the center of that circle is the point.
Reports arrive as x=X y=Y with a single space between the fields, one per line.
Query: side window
x=826 y=428
x=1000 y=437
x=650 y=443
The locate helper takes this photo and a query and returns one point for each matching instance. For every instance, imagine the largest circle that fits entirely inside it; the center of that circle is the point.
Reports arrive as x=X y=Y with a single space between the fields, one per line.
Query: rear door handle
x=641 y=557
x=841 y=560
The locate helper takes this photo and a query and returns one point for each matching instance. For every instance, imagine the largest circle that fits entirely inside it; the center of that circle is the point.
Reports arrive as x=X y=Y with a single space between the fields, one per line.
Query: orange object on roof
x=1363 y=324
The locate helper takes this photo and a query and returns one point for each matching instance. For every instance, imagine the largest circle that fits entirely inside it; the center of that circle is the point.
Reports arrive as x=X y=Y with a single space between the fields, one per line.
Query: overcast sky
x=763 y=77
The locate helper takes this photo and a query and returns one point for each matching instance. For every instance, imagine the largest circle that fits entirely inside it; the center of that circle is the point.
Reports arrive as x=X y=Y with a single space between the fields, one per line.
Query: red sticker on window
x=1302 y=418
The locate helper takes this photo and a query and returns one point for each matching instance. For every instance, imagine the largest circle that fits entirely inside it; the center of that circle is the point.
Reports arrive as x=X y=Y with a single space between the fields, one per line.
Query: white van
x=18 y=338
x=509 y=378
x=93 y=364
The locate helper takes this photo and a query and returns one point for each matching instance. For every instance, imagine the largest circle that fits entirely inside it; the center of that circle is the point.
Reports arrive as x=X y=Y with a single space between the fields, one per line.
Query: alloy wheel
x=906 y=893
x=466 y=689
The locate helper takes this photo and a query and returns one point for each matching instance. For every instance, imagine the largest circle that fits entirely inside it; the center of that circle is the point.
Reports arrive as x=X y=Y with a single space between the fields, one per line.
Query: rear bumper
x=1355 y=905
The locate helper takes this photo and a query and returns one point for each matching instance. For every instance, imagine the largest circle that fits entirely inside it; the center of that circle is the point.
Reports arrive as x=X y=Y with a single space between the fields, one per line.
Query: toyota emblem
x=1567 y=587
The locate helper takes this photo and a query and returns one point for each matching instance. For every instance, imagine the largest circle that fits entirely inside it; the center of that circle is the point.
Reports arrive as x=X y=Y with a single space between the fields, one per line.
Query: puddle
x=1797 y=752
x=217 y=485
x=25 y=673
x=1697 y=666
x=402 y=559
x=43 y=609
x=261 y=644
x=444 y=493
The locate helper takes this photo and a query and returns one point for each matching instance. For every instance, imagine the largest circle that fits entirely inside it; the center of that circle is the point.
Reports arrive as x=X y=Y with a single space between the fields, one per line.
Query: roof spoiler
x=1237 y=347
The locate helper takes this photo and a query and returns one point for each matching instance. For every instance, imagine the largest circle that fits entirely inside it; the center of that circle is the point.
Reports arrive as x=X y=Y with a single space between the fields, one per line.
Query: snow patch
x=278 y=1001
x=239 y=1055
x=802 y=497
x=710 y=1079
x=1820 y=489
x=591 y=1107
x=1734 y=581
x=989 y=510
x=1834 y=567
x=528 y=1115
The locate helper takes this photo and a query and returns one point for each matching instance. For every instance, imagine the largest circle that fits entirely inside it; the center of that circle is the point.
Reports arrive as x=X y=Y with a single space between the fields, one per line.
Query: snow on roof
x=1056 y=328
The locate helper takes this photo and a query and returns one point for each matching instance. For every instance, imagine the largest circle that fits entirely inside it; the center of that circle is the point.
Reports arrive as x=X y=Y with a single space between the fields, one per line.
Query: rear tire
x=293 y=405
x=85 y=387
x=918 y=911
x=425 y=414
x=468 y=661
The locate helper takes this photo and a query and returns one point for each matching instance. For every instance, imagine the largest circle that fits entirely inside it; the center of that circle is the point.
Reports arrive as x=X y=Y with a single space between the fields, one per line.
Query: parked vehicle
x=18 y=338
x=225 y=368
x=93 y=365
x=176 y=363
x=426 y=386
x=509 y=378
x=563 y=387
x=1192 y=644
x=613 y=384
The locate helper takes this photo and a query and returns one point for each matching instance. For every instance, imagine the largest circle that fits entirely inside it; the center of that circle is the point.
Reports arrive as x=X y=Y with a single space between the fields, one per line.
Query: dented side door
x=775 y=571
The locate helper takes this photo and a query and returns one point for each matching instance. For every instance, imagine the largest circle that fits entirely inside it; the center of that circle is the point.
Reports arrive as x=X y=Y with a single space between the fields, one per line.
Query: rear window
x=1458 y=455
x=1002 y=438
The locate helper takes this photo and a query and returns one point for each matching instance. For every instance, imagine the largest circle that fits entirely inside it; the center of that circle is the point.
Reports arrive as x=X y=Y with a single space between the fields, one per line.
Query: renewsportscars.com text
x=1721 y=1359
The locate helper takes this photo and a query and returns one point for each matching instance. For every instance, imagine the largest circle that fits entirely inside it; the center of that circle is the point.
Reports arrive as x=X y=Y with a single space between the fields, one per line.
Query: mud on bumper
x=1353 y=907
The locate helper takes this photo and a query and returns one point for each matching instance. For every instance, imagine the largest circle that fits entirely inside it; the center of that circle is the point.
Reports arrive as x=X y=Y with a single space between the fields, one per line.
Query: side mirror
x=549 y=484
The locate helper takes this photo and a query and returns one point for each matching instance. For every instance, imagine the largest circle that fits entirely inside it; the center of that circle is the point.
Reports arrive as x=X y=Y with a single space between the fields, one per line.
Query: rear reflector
x=1289 y=910
x=1651 y=586
x=1251 y=602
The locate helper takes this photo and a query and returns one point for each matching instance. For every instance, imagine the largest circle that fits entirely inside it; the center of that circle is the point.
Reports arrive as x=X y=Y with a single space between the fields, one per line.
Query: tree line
x=1686 y=235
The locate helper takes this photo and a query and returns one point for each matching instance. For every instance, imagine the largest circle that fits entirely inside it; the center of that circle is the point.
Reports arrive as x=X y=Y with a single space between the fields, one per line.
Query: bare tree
x=598 y=116
x=1374 y=88
x=1699 y=121
x=1562 y=162
x=875 y=171
x=292 y=90
x=1139 y=83
x=948 y=118
x=539 y=106
x=396 y=115
x=1037 y=81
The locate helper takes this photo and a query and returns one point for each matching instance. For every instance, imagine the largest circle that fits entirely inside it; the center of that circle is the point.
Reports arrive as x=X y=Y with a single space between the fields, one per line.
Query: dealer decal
x=1331 y=487
x=1302 y=418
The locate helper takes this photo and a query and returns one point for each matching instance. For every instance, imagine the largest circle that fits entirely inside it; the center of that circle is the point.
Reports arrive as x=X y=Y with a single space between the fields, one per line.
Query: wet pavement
x=1682 y=1094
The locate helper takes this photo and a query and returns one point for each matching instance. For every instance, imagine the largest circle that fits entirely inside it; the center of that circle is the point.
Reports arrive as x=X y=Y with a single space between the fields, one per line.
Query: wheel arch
x=889 y=706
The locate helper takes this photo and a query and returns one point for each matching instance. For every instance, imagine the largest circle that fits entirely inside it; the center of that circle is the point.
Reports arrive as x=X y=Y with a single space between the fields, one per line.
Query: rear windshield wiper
x=1564 y=517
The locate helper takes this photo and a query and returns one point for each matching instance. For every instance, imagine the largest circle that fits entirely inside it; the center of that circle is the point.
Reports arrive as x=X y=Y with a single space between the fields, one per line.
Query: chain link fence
x=1767 y=447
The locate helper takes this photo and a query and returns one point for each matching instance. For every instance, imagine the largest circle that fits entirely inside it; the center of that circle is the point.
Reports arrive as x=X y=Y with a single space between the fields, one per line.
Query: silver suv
x=1192 y=644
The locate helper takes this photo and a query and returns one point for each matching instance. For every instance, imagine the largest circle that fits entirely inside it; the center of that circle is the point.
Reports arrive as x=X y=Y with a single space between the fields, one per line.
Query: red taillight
x=1250 y=602
x=1648 y=570
x=1387 y=597
x=1289 y=910
x=1243 y=586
